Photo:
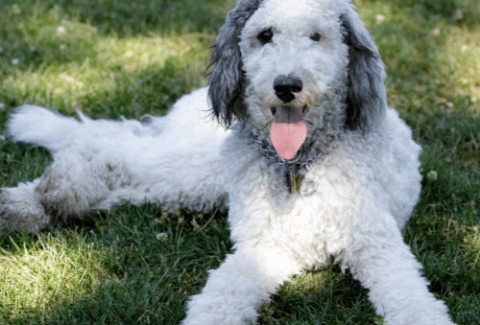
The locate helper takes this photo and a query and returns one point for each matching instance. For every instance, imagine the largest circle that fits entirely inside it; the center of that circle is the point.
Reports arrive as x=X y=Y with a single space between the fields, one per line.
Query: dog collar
x=294 y=170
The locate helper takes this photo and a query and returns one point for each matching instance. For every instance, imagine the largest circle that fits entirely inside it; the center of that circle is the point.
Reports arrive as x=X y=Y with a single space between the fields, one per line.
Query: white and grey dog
x=314 y=165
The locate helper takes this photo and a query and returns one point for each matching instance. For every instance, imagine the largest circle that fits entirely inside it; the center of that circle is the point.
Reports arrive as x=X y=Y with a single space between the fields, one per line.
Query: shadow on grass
x=20 y=162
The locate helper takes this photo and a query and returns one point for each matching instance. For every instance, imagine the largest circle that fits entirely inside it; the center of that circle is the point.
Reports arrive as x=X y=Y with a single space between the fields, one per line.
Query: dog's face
x=279 y=61
x=292 y=55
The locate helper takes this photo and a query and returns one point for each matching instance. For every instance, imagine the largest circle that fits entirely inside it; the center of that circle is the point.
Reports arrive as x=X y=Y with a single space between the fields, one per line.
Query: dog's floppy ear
x=366 y=73
x=227 y=80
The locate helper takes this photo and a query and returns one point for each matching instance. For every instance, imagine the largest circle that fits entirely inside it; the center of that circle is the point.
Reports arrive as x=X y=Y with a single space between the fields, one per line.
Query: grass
x=138 y=265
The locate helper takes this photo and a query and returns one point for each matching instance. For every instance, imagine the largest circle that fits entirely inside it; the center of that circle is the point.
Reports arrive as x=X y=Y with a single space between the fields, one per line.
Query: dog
x=303 y=151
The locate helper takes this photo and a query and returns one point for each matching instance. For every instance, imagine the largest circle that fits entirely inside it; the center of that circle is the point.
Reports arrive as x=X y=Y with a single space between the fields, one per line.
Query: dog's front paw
x=220 y=307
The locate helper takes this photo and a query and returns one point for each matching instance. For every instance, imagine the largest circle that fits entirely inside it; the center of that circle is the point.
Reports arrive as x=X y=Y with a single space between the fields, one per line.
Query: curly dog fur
x=305 y=154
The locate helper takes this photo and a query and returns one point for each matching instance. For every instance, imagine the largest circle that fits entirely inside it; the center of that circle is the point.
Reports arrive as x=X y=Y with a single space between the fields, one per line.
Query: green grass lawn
x=138 y=265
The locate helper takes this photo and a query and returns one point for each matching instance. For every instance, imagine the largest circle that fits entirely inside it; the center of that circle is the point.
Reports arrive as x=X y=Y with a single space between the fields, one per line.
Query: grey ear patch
x=227 y=80
x=366 y=101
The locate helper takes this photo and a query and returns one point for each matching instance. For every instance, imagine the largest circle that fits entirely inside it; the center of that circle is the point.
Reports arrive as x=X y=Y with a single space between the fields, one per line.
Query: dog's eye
x=265 y=36
x=315 y=37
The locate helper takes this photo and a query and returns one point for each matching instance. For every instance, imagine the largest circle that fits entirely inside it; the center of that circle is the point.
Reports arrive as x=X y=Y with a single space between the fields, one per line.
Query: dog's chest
x=263 y=212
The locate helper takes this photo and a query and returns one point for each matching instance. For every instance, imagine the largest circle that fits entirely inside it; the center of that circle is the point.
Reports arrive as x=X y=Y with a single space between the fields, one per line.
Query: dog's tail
x=42 y=127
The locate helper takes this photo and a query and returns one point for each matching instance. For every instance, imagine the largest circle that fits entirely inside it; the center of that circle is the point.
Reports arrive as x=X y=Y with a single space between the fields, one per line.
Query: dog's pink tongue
x=287 y=138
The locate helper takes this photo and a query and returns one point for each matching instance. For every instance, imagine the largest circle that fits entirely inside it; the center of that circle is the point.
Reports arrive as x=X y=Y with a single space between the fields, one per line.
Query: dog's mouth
x=288 y=131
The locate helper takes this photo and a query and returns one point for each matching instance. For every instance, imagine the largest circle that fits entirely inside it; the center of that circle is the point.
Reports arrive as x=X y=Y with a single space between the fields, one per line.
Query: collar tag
x=295 y=183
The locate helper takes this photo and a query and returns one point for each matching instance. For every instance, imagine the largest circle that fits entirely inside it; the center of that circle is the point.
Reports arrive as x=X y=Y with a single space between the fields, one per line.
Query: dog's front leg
x=235 y=291
x=385 y=265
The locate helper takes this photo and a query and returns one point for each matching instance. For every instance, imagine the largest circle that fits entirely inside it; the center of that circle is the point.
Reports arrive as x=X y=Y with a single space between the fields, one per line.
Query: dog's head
x=279 y=60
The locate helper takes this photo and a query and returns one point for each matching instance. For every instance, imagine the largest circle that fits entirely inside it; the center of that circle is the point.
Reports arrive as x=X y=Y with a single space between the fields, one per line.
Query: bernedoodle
x=303 y=152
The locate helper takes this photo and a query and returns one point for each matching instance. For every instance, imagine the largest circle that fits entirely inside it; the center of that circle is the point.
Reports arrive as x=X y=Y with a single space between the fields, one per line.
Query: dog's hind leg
x=185 y=174
x=174 y=160
x=71 y=182
x=20 y=208
x=69 y=188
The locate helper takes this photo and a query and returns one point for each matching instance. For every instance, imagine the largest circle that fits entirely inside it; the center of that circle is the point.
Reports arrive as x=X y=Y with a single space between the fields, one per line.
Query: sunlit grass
x=55 y=269
x=136 y=265
x=115 y=64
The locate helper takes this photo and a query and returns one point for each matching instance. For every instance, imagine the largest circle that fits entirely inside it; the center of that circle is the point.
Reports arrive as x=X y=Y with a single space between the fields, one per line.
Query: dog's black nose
x=285 y=86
